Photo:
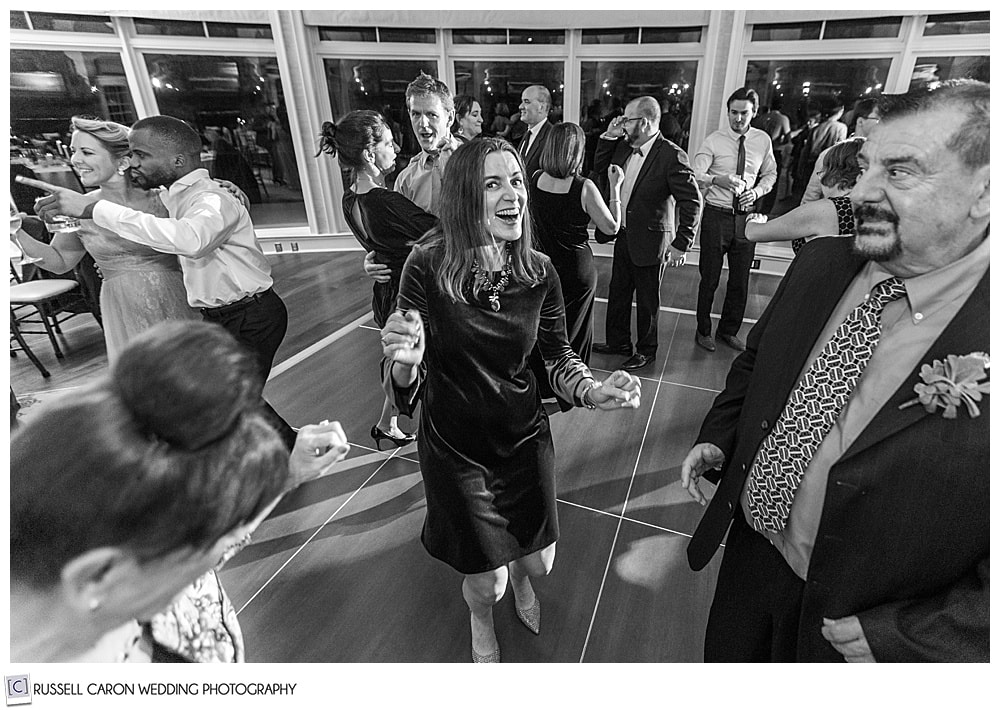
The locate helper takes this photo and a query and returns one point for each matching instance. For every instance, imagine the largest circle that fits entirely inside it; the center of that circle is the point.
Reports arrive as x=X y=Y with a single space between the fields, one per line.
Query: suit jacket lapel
x=967 y=332
x=654 y=151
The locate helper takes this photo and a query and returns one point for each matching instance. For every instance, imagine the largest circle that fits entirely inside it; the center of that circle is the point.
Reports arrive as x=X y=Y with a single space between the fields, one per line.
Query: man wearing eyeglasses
x=867 y=112
x=656 y=170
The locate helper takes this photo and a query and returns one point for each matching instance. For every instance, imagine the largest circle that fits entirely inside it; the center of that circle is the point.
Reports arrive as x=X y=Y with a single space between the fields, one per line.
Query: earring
x=95 y=604
x=121 y=171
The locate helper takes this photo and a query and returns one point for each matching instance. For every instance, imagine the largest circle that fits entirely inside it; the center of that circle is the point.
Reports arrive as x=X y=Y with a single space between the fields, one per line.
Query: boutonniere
x=960 y=379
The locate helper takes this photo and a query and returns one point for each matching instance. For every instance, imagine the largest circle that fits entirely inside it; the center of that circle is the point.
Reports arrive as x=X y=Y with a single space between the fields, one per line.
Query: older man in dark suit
x=852 y=435
x=656 y=170
x=536 y=102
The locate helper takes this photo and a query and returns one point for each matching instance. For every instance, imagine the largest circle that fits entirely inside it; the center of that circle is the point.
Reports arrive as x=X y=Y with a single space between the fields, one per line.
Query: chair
x=43 y=295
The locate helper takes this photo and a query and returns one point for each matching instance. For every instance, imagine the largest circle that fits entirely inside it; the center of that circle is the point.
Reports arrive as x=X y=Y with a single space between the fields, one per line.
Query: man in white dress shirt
x=225 y=272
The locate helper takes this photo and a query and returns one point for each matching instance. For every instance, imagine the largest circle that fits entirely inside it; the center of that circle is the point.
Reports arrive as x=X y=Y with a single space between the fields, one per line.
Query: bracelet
x=587 y=401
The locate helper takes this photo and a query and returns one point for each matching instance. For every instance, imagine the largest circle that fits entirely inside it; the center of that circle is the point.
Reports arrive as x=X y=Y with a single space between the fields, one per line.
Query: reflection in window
x=670 y=35
x=347 y=34
x=479 y=36
x=498 y=86
x=620 y=35
x=421 y=35
x=930 y=69
x=868 y=27
x=47 y=88
x=537 y=37
x=18 y=21
x=237 y=105
x=800 y=86
x=234 y=29
x=786 y=31
x=606 y=88
x=966 y=23
x=377 y=85
x=71 y=23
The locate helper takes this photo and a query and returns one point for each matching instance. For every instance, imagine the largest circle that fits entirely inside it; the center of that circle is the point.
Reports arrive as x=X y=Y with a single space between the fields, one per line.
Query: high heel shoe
x=378 y=435
x=531 y=617
x=491 y=657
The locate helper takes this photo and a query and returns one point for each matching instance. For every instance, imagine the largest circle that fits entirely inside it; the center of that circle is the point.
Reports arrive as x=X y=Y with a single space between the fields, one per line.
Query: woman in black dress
x=473 y=301
x=384 y=221
x=562 y=205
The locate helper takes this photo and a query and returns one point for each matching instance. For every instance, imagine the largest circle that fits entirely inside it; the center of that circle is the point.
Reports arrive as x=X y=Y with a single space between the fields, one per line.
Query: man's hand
x=847 y=636
x=59 y=201
x=235 y=191
x=376 y=271
x=675 y=258
x=700 y=458
x=747 y=199
x=734 y=183
x=317 y=448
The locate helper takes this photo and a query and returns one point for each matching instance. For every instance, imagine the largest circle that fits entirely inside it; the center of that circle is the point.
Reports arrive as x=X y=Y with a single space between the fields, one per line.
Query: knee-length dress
x=484 y=444
x=561 y=230
x=140 y=288
x=389 y=224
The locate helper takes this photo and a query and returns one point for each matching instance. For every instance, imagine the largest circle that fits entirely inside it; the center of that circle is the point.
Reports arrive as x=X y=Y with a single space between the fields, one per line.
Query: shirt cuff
x=107 y=214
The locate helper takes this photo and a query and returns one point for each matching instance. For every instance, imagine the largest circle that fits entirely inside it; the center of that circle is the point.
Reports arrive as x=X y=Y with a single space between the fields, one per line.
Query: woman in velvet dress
x=384 y=221
x=563 y=204
x=473 y=301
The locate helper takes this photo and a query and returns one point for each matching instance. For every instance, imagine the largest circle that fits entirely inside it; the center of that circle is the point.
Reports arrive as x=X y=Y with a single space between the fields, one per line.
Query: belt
x=726 y=210
x=235 y=306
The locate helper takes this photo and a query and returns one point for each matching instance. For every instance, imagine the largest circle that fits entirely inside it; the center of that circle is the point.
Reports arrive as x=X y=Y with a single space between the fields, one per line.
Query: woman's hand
x=619 y=390
x=403 y=338
x=615 y=177
x=317 y=448
x=235 y=192
x=376 y=271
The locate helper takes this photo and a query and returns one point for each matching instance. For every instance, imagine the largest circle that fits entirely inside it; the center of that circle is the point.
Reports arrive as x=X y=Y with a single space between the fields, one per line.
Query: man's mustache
x=872 y=213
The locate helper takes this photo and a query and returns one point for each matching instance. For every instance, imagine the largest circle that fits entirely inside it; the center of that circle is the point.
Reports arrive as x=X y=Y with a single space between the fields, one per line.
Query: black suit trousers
x=758 y=600
x=644 y=282
x=260 y=327
x=720 y=237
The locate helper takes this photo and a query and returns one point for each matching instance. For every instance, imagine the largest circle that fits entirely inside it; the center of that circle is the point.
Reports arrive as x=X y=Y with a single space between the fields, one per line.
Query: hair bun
x=328 y=138
x=186 y=383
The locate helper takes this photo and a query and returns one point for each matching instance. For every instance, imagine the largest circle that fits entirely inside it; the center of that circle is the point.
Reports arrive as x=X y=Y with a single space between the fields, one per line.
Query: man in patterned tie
x=850 y=445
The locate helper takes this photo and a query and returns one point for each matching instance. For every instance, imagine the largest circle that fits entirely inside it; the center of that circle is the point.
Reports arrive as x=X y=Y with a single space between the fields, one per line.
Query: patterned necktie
x=812 y=408
x=741 y=166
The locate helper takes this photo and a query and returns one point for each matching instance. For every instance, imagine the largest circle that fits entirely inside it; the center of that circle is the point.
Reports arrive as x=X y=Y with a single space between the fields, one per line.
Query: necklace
x=493 y=290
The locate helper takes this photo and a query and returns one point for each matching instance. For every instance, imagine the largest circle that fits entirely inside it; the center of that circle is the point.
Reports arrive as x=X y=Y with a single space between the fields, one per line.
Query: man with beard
x=656 y=170
x=852 y=439
x=226 y=275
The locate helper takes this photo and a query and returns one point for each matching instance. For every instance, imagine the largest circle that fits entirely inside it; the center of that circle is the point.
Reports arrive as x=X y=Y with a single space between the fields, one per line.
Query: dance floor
x=337 y=573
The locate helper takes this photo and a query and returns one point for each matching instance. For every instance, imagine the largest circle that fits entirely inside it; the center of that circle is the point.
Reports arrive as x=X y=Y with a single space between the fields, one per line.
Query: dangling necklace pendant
x=493 y=290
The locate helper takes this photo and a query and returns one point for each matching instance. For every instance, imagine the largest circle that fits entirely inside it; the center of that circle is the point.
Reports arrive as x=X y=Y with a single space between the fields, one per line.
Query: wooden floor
x=337 y=573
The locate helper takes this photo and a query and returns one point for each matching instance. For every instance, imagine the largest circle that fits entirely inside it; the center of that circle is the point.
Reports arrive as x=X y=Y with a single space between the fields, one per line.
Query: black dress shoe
x=606 y=349
x=733 y=341
x=637 y=361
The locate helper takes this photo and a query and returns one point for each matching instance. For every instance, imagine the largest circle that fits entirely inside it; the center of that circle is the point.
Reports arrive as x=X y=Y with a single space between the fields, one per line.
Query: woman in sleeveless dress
x=383 y=221
x=563 y=203
x=141 y=288
x=833 y=216
x=473 y=301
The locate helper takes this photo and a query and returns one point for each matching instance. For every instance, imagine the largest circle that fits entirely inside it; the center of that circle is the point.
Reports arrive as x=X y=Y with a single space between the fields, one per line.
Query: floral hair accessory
x=947 y=384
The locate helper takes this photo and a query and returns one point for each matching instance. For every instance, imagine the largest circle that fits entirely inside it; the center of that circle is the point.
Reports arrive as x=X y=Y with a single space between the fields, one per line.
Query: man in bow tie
x=859 y=519
x=657 y=176
x=431 y=107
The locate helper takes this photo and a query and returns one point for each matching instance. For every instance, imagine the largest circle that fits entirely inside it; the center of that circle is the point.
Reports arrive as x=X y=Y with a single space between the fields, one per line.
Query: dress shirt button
x=763 y=425
x=918 y=316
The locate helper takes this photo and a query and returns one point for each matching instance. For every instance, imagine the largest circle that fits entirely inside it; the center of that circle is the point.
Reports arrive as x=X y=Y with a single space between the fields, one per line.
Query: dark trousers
x=259 y=324
x=755 y=613
x=644 y=282
x=721 y=236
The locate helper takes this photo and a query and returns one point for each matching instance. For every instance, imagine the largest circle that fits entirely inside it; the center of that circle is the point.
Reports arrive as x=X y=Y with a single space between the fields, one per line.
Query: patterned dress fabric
x=141 y=287
x=813 y=407
x=845 y=220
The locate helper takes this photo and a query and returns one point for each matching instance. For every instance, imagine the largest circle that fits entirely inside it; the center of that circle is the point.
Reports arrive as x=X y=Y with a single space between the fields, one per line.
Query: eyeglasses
x=637 y=118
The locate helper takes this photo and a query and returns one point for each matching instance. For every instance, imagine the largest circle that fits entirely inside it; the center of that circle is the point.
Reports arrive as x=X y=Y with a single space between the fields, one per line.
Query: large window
x=238 y=106
x=800 y=86
x=930 y=69
x=606 y=87
x=46 y=88
x=498 y=86
x=377 y=85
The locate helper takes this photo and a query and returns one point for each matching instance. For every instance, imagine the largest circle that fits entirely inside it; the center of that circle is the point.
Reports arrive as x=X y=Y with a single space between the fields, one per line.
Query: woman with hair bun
x=127 y=491
x=383 y=221
x=141 y=287
x=468 y=123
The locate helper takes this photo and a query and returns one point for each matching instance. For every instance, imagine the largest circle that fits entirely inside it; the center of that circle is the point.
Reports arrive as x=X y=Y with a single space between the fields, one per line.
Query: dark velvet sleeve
x=412 y=295
x=403 y=217
x=568 y=376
